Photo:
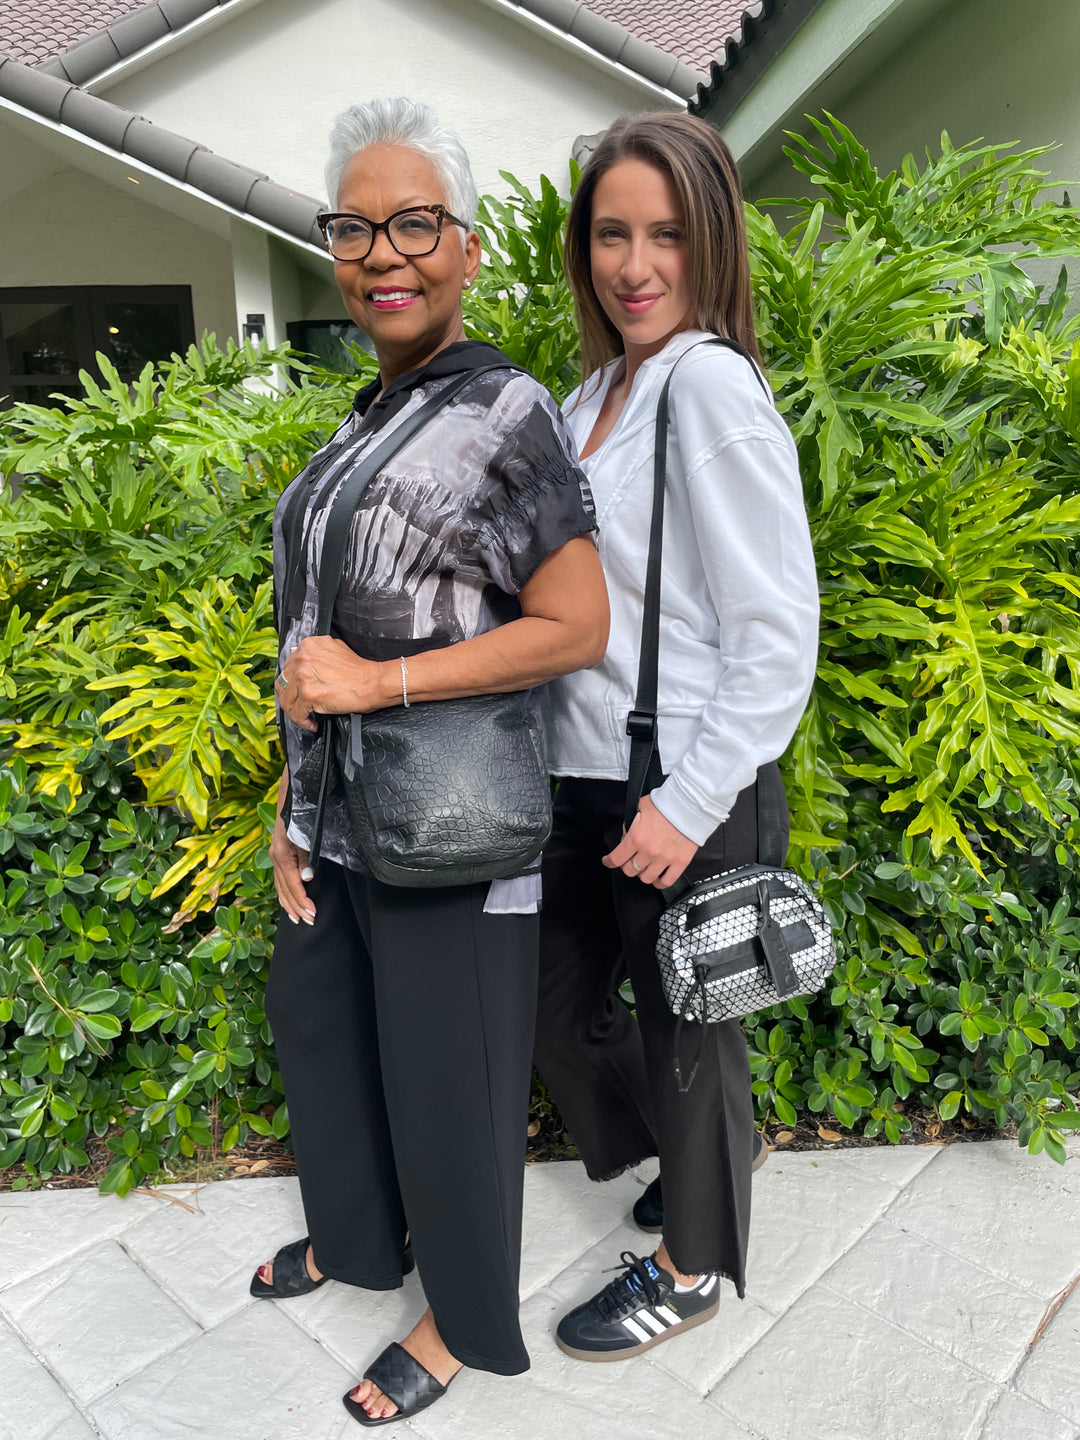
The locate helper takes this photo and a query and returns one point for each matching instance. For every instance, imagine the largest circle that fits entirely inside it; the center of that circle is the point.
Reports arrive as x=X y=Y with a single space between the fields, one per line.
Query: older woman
x=403 y=1018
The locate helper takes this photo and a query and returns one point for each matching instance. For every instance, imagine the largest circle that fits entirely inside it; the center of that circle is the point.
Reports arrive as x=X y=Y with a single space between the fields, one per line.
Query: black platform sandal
x=291 y=1276
x=403 y=1380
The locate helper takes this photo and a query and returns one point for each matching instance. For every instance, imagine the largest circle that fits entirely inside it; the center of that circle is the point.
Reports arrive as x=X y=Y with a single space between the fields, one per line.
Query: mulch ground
x=548 y=1141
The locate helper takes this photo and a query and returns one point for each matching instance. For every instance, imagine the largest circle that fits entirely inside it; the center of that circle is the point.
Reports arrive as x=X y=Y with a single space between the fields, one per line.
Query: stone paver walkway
x=894 y=1294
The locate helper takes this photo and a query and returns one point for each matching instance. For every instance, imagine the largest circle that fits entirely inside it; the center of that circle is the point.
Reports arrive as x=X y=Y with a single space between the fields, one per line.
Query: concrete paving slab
x=584 y=1275
x=831 y=1371
x=1016 y=1418
x=96 y=1319
x=205 y=1257
x=564 y=1213
x=32 y=1403
x=355 y=1325
x=562 y=1397
x=852 y=1331
x=1016 y=1215
x=37 y=1230
x=895 y=1164
x=807 y=1211
x=702 y=1357
x=959 y=1307
x=1051 y=1374
x=648 y=1170
x=254 y=1377
x=74 y=1428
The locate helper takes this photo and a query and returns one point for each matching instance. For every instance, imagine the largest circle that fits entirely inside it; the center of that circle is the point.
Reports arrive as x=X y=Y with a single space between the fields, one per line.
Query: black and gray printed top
x=442 y=540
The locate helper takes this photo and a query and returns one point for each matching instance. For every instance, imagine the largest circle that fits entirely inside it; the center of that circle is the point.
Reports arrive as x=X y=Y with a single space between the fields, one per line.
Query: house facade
x=161 y=160
x=898 y=73
x=161 y=163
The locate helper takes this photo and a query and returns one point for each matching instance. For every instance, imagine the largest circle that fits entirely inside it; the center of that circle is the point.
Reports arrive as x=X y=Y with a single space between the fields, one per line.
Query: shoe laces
x=627 y=1290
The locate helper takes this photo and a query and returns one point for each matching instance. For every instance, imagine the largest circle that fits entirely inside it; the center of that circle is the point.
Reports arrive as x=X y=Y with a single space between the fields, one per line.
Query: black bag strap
x=645 y=773
x=335 y=542
x=339 y=520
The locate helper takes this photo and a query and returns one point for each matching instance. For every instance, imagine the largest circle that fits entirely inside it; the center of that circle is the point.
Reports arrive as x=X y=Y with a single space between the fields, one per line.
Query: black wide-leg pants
x=611 y=1075
x=403 y=1023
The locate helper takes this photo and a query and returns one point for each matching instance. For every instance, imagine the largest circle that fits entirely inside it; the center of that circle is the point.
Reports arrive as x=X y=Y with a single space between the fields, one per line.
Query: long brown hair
x=706 y=181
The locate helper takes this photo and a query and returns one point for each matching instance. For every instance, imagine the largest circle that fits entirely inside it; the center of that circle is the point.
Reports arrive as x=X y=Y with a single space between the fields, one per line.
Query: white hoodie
x=739 y=601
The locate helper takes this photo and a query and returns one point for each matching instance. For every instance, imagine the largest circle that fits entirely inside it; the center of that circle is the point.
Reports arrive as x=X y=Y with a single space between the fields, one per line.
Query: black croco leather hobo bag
x=439 y=792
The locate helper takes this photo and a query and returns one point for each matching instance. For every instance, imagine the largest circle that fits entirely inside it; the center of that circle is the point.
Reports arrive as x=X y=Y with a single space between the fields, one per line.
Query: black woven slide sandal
x=403 y=1380
x=291 y=1273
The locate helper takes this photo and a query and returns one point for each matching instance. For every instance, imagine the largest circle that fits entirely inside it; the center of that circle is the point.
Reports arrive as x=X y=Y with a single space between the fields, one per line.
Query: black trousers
x=612 y=1076
x=403 y=1023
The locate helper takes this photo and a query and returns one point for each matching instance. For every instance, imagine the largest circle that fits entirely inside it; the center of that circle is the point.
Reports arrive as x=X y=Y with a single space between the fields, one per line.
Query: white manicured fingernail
x=293 y=918
x=307 y=873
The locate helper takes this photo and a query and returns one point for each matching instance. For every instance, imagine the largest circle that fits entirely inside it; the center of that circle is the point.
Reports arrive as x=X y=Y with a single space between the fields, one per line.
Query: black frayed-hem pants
x=403 y=1023
x=611 y=1075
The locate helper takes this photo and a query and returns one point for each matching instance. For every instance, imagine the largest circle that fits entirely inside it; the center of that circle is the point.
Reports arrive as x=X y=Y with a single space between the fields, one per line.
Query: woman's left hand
x=652 y=850
x=323 y=676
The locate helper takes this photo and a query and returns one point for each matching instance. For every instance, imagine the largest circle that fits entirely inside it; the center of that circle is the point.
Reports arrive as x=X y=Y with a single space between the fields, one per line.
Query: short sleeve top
x=442 y=540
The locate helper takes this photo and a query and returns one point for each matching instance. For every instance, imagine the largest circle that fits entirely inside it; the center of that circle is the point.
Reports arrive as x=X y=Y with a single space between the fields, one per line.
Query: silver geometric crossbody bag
x=744 y=939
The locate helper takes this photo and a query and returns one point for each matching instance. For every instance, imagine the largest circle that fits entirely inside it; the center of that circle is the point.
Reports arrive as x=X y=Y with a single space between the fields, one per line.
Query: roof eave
x=115 y=51
x=747 y=56
x=605 y=44
x=110 y=129
x=127 y=45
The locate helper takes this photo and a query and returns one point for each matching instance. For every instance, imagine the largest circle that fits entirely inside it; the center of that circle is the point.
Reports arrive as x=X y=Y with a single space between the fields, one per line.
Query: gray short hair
x=414 y=125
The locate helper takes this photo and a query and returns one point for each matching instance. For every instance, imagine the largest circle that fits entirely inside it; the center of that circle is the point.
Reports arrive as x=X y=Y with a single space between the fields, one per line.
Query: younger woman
x=656 y=256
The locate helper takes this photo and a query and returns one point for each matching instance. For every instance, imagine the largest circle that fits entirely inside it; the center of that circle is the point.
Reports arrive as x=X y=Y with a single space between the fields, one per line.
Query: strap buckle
x=641 y=725
x=777 y=955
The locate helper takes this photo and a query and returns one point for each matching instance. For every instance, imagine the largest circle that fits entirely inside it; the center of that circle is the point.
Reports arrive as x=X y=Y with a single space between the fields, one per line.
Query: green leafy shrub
x=114 y=1022
x=933 y=394
x=935 y=398
x=137 y=561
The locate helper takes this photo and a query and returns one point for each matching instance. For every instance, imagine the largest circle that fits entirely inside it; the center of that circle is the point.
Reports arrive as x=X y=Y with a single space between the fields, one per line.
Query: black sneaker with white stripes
x=634 y=1312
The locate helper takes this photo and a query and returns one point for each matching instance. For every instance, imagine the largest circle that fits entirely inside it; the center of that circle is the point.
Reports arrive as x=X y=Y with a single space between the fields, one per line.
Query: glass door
x=49 y=333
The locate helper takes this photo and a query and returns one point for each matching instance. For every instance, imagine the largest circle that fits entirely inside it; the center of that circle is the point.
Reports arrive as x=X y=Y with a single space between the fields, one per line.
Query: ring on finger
x=637 y=869
x=281 y=682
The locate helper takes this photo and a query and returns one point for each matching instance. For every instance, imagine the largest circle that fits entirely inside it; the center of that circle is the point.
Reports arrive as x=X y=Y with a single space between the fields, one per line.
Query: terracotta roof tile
x=35 y=30
x=692 y=31
x=671 y=42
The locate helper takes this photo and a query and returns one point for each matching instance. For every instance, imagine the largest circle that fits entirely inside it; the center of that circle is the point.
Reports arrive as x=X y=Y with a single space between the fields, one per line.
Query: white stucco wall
x=264 y=88
x=1003 y=70
x=119 y=240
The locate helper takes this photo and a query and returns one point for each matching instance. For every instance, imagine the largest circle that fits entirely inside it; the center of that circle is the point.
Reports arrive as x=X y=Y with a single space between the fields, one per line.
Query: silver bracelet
x=404 y=687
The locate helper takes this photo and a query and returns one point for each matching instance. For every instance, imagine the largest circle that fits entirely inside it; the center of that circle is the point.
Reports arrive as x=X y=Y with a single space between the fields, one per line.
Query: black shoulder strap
x=339 y=520
x=645 y=772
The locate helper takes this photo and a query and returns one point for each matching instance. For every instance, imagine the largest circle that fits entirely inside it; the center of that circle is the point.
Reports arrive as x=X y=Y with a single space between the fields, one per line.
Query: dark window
x=324 y=343
x=49 y=333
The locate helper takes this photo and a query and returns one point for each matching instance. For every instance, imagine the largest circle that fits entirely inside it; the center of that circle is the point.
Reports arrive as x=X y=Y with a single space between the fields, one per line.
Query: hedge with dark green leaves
x=934 y=394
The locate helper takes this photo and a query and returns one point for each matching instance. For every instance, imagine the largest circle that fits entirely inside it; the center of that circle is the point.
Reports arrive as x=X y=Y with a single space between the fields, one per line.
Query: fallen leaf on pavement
x=1051 y=1310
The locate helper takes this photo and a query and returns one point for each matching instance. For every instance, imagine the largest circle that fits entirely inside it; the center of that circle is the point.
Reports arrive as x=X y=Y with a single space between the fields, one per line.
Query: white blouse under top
x=739 y=599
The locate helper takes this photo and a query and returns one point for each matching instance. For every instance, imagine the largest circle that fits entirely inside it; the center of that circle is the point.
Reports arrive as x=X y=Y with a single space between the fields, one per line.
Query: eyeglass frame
x=440 y=212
